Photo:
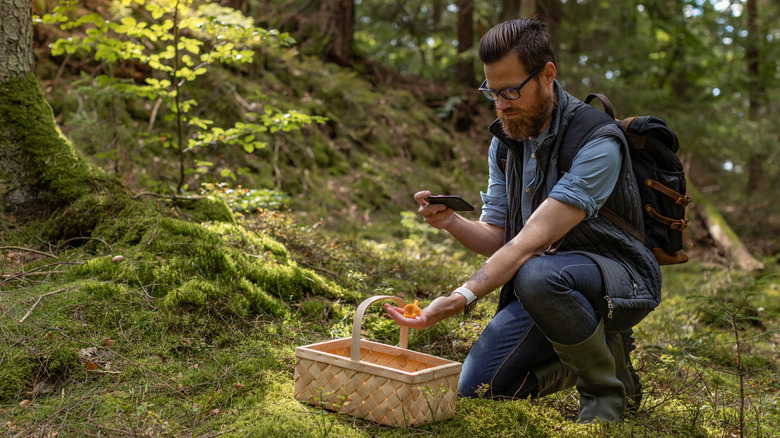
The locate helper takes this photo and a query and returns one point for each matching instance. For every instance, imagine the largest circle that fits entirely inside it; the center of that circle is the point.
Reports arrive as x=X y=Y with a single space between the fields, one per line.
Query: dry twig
x=19 y=248
x=9 y=277
x=29 y=312
x=32 y=274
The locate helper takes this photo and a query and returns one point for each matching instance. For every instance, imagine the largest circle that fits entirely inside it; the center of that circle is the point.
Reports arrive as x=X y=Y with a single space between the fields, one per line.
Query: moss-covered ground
x=189 y=329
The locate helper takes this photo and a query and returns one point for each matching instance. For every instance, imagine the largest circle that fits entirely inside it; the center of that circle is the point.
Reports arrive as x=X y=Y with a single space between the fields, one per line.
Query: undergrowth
x=190 y=329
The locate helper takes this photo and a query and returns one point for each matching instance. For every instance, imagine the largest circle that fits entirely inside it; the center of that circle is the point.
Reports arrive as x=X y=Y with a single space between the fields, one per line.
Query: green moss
x=15 y=373
x=206 y=209
x=193 y=292
x=103 y=289
x=260 y=300
x=53 y=169
x=253 y=243
x=126 y=230
x=99 y=268
x=93 y=213
x=61 y=363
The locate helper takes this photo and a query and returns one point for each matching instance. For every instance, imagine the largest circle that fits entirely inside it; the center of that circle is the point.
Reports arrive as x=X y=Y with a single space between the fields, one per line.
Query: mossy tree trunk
x=40 y=171
x=723 y=237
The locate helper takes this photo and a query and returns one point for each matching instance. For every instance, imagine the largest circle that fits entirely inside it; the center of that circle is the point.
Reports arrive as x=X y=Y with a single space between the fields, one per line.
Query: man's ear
x=549 y=72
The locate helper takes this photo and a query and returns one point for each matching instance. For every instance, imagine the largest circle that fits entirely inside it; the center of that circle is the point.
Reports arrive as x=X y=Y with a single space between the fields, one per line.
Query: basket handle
x=403 y=342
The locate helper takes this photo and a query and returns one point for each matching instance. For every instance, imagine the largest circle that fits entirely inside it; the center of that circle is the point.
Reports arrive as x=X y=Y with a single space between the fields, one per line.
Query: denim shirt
x=593 y=174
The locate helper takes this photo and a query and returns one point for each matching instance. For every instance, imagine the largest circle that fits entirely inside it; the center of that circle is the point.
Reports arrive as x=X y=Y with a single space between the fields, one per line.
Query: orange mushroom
x=412 y=310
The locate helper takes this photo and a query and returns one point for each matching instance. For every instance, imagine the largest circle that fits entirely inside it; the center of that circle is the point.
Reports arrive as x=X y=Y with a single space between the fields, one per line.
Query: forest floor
x=92 y=347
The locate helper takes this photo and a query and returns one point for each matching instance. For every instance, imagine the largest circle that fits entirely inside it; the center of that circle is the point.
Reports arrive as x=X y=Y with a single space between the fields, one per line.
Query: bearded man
x=573 y=284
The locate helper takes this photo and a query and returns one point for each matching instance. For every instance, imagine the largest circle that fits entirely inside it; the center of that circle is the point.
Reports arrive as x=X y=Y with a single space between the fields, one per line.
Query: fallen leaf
x=91 y=366
x=24 y=403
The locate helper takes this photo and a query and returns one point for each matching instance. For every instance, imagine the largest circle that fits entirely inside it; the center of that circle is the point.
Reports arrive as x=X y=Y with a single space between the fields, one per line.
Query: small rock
x=117 y=259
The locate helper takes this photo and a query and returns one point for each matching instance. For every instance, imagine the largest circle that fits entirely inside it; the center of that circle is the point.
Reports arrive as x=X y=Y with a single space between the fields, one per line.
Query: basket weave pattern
x=384 y=384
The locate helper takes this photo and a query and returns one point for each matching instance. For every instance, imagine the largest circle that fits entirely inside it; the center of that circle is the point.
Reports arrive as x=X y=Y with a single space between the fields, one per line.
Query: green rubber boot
x=602 y=394
x=621 y=345
x=553 y=376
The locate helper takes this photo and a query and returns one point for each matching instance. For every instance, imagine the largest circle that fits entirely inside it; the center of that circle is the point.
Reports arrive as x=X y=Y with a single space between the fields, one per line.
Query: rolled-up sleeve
x=494 y=202
x=593 y=175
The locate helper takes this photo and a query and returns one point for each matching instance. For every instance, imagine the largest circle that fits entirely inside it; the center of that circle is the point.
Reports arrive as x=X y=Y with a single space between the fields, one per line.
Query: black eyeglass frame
x=500 y=92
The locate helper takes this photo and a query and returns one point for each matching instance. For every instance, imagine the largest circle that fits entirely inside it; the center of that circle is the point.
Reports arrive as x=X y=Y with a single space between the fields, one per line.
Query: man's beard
x=528 y=125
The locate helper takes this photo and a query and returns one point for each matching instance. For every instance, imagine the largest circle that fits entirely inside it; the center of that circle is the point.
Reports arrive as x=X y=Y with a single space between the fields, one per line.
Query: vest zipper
x=609 y=306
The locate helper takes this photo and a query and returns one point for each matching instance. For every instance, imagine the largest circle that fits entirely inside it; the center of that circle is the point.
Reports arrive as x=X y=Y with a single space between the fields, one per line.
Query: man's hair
x=526 y=38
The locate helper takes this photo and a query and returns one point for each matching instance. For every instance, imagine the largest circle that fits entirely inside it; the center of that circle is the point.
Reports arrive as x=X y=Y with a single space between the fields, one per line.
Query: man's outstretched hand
x=440 y=309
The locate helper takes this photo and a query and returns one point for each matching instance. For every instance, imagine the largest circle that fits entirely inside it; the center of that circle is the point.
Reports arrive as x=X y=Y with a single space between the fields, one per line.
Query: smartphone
x=454 y=202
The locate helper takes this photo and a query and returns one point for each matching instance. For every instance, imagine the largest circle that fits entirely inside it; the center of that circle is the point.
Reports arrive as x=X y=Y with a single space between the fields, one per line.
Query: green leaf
x=227 y=172
x=155 y=10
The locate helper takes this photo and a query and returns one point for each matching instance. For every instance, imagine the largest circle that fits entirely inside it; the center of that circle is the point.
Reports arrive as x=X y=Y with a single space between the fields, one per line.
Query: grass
x=110 y=354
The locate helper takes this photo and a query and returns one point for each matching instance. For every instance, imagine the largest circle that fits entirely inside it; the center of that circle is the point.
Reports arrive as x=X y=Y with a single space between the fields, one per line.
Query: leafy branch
x=179 y=42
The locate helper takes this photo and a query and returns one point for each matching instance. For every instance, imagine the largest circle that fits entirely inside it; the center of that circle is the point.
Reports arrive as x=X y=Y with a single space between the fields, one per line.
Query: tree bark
x=755 y=93
x=528 y=8
x=550 y=11
x=464 y=69
x=510 y=10
x=16 y=31
x=438 y=10
x=338 y=27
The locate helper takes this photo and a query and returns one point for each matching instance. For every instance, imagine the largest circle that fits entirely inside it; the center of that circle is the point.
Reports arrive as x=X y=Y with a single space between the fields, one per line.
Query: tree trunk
x=527 y=8
x=338 y=28
x=464 y=69
x=510 y=9
x=550 y=11
x=438 y=10
x=16 y=56
x=40 y=171
x=722 y=236
x=755 y=93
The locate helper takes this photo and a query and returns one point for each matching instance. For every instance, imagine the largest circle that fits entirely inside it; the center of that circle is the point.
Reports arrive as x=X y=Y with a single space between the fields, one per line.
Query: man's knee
x=471 y=384
x=535 y=277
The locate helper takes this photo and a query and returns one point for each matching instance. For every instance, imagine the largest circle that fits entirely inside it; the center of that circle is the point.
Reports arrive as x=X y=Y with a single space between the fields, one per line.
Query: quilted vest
x=608 y=245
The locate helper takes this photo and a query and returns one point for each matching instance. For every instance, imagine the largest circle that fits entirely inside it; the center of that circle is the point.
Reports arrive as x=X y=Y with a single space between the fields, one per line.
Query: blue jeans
x=560 y=298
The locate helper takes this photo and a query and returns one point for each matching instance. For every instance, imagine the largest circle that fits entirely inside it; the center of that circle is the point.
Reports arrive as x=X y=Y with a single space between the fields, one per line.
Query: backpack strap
x=604 y=101
x=622 y=223
x=635 y=141
x=679 y=199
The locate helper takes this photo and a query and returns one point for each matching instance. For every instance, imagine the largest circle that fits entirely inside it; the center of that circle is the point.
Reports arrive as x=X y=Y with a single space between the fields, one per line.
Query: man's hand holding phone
x=437 y=211
x=451 y=201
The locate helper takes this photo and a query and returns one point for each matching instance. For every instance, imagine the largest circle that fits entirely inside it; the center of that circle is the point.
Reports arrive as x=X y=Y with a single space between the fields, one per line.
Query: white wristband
x=467 y=294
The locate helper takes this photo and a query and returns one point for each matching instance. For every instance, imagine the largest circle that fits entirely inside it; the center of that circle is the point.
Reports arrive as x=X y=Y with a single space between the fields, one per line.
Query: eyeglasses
x=511 y=93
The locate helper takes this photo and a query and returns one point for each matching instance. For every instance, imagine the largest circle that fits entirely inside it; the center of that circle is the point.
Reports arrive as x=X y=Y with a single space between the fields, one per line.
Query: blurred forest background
x=235 y=176
x=710 y=68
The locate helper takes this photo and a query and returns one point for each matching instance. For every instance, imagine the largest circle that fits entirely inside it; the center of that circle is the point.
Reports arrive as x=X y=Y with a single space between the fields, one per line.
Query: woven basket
x=377 y=382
